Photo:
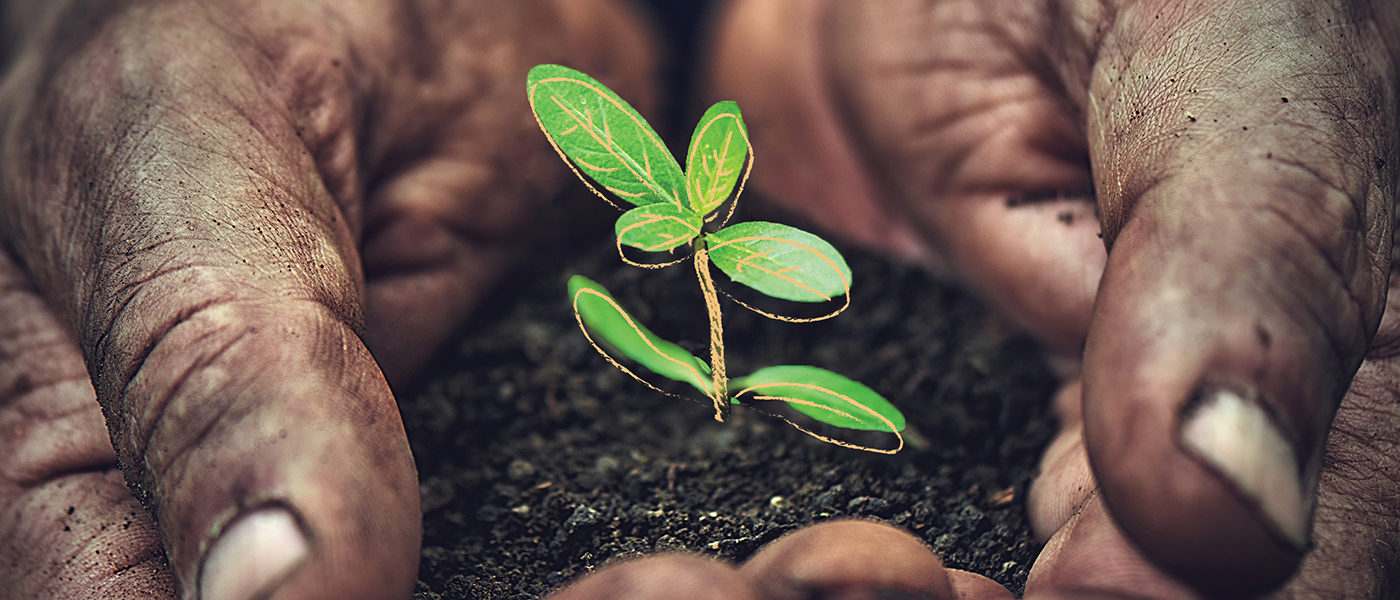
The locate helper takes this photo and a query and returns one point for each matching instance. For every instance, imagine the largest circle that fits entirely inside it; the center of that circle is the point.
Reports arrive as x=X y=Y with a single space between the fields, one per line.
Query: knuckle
x=175 y=383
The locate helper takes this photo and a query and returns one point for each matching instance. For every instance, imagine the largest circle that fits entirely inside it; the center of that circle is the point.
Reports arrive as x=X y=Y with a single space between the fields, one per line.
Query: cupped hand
x=212 y=213
x=1195 y=197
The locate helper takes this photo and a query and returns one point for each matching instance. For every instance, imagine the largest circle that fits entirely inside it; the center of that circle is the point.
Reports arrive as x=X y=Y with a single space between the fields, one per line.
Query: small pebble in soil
x=829 y=499
x=583 y=517
x=606 y=465
x=520 y=469
x=868 y=505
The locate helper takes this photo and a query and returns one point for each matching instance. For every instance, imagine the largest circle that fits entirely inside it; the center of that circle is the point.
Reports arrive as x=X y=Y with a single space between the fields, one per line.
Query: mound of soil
x=540 y=462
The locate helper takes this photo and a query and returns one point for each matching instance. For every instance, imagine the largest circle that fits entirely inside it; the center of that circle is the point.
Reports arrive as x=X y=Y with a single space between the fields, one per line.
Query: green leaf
x=780 y=261
x=715 y=162
x=657 y=227
x=828 y=397
x=607 y=320
x=603 y=136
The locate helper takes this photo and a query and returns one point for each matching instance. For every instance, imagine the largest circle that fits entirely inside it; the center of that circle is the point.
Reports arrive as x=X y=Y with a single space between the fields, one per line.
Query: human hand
x=212 y=213
x=1240 y=387
x=845 y=558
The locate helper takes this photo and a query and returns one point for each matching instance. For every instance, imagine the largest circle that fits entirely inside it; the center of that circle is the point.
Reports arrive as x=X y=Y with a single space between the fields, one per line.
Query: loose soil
x=540 y=462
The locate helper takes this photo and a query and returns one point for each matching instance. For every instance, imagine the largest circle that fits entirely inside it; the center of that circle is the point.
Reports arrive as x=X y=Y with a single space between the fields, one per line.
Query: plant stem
x=719 y=392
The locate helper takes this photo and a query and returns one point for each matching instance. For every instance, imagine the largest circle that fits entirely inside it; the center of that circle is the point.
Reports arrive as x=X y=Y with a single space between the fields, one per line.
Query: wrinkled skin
x=213 y=215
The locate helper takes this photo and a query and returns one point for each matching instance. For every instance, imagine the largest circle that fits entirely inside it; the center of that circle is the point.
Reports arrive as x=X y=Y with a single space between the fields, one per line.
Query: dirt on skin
x=540 y=462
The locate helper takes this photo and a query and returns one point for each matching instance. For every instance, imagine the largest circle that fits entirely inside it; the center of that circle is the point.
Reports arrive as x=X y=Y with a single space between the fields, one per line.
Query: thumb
x=176 y=220
x=1244 y=158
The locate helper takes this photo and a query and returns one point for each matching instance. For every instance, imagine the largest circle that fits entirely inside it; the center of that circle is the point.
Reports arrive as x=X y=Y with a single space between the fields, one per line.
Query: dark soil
x=540 y=462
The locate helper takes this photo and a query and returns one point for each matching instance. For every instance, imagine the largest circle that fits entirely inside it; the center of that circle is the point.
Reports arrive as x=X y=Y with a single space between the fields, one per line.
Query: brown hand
x=212 y=213
x=1242 y=158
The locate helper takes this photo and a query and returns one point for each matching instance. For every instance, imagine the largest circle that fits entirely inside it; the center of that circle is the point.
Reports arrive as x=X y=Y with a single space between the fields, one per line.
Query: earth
x=540 y=462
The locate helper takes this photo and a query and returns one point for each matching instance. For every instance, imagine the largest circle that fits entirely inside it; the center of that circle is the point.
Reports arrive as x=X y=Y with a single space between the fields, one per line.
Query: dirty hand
x=1236 y=425
x=212 y=213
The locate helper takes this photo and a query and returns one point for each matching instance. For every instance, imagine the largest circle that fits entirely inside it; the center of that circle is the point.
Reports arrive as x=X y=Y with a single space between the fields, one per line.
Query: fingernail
x=254 y=554
x=1230 y=430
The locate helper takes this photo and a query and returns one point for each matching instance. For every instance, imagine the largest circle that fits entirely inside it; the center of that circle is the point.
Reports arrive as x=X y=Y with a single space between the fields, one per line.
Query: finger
x=962 y=152
x=1244 y=161
x=177 y=221
x=1065 y=482
x=848 y=559
x=663 y=577
x=452 y=184
x=971 y=586
x=1356 y=530
x=70 y=528
x=1088 y=555
x=1085 y=555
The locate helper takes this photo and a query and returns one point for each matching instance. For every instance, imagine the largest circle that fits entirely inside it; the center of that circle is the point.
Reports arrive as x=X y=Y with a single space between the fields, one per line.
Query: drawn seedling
x=609 y=145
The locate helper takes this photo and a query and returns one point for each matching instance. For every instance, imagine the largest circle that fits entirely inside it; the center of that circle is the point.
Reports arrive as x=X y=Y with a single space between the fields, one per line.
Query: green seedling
x=609 y=145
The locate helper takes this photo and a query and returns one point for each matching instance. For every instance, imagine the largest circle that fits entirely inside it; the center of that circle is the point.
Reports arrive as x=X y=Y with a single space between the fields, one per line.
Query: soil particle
x=540 y=462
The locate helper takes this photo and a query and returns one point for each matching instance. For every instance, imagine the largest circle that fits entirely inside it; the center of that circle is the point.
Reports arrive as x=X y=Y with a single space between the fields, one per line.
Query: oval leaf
x=605 y=318
x=657 y=227
x=603 y=136
x=715 y=162
x=828 y=397
x=780 y=261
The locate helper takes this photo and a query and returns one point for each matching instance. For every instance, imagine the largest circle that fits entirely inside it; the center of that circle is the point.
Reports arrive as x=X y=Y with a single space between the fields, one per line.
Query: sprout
x=610 y=146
